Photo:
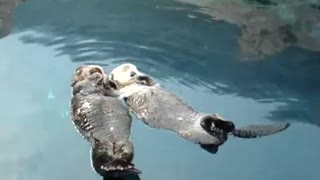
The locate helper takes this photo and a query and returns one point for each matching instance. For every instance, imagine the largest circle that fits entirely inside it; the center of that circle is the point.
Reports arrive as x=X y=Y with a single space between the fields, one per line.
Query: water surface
x=249 y=61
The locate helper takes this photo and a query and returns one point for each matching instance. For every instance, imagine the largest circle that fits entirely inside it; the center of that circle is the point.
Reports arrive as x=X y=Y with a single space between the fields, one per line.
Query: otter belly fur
x=105 y=122
x=159 y=108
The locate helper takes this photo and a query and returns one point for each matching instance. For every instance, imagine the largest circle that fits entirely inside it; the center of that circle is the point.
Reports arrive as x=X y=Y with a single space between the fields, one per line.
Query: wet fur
x=159 y=108
x=104 y=121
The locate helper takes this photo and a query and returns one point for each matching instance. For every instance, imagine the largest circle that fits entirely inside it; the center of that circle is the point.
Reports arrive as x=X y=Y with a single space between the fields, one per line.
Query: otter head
x=83 y=72
x=127 y=74
x=84 y=75
x=92 y=84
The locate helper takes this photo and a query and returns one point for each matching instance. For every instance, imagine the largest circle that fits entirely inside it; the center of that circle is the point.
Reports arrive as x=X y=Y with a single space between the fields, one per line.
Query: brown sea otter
x=102 y=120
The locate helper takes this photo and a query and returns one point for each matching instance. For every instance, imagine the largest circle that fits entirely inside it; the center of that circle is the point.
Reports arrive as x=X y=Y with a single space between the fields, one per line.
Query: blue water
x=249 y=68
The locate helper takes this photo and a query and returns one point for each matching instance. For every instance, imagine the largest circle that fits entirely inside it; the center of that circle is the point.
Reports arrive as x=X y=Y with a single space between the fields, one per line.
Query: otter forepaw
x=145 y=80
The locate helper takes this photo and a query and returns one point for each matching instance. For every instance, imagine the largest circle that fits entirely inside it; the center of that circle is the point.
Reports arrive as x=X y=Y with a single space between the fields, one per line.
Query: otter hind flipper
x=215 y=124
x=213 y=149
x=120 y=166
x=254 y=131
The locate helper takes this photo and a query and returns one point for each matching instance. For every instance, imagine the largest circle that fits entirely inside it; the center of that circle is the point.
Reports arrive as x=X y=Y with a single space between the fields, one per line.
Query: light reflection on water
x=196 y=58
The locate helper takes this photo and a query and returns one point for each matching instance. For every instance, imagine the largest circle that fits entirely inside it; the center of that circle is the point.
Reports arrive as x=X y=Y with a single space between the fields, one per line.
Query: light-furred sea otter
x=104 y=121
x=159 y=108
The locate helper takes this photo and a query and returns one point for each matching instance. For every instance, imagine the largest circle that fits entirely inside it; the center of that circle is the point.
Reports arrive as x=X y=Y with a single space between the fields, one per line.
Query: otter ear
x=78 y=70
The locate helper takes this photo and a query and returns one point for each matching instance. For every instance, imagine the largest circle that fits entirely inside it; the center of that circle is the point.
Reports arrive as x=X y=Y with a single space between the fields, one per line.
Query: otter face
x=92 y=84
x=84 y=75
x=82 y=72
x=127 y=74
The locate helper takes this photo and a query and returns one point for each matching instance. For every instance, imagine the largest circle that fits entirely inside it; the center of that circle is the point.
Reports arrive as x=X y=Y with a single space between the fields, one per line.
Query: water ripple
x=195 y=51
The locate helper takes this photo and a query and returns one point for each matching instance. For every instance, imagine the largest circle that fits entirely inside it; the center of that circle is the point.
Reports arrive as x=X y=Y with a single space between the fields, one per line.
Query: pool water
x=252 y=62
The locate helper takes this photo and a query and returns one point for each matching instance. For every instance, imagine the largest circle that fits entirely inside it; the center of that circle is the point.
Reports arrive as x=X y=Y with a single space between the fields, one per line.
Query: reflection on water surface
x=250 y=61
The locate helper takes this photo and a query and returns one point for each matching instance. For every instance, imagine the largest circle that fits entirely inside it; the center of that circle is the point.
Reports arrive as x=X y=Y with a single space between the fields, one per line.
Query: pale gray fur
x=159 y=108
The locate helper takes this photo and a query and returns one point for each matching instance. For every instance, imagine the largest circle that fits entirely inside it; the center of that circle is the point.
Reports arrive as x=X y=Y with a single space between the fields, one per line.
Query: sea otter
x=159 y=108
x=104 y=121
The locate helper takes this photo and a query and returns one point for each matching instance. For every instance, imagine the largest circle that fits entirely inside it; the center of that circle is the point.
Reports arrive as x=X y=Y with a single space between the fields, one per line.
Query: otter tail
x=255 y=131
x=120 y=167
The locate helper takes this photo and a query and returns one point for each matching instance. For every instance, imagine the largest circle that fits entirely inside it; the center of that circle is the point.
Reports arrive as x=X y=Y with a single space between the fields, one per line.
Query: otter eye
x=133 y=74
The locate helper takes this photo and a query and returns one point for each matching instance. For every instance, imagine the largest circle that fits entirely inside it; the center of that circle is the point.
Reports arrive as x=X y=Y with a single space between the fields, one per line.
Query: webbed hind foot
x=213 y=149
x=214 y=124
